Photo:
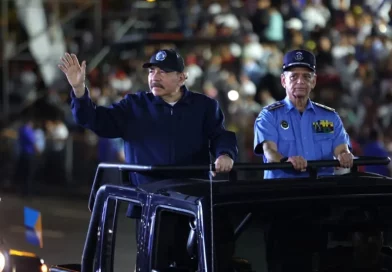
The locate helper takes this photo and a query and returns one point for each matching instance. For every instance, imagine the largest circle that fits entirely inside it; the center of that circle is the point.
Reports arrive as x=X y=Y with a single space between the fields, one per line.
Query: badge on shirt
x=323 y=126
x=284 y=124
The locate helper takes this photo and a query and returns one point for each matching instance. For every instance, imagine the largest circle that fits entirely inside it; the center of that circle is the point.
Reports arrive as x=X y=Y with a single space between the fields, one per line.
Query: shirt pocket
x=323 y=146
x=287 y=143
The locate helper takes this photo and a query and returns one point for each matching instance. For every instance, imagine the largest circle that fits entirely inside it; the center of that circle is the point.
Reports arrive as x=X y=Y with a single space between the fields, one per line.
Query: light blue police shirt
x=314 y=135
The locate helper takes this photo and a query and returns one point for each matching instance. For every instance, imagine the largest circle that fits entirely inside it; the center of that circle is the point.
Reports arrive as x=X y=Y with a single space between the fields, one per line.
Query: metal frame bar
x=312 y=166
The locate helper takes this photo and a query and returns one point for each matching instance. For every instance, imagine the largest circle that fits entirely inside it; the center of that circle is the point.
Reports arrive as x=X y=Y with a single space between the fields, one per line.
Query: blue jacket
x=156 y=133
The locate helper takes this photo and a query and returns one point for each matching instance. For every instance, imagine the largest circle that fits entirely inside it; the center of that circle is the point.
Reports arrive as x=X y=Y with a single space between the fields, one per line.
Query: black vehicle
x=331 y=223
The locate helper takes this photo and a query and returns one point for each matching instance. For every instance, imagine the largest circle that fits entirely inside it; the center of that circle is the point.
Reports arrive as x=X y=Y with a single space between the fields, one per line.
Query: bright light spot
x=233 y=95
x=44 y=268
x=2 y=262
x=235 y=50
x=383 y=28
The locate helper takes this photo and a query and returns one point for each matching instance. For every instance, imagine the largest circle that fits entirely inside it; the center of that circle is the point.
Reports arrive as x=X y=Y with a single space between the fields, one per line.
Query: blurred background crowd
x=233 y=51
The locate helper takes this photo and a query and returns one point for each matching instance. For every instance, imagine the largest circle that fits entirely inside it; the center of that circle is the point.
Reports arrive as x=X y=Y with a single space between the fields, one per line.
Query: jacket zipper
x=171 y=136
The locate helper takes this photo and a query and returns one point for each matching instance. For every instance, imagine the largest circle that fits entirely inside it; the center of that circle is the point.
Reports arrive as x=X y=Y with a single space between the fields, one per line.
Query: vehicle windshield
x=343 y=234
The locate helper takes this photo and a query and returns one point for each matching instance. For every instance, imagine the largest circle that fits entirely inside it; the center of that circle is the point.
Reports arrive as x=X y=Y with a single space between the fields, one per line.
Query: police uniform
x=314 y=134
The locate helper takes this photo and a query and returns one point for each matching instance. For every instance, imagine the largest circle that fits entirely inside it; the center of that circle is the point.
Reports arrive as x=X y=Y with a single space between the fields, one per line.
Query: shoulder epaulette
x=323 y=106
x=275 y=105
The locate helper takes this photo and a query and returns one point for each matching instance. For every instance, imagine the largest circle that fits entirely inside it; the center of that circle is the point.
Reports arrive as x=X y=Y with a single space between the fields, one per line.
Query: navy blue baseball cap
x=299 y=58
x=168 y=60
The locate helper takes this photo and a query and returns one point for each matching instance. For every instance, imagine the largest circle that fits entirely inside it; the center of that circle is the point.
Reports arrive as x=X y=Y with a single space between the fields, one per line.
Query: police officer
x=167 y=125
x=297 y=129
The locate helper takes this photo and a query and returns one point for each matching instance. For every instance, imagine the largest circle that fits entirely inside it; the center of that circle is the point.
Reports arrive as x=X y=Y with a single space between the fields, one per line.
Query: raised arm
x=106 y=122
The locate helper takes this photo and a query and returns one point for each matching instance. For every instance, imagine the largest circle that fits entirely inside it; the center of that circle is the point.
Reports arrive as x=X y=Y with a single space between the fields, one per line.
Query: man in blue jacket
x=167 y=125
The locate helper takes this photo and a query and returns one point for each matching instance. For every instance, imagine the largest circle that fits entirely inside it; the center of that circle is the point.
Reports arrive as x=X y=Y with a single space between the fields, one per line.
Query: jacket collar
x=185 y=98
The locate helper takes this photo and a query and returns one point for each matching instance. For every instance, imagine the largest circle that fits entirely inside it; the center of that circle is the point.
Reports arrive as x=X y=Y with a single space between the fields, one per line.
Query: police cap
x=299 y=58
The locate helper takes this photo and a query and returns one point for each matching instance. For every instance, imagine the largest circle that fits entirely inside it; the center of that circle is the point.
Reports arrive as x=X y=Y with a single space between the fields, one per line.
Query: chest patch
x=323 y=126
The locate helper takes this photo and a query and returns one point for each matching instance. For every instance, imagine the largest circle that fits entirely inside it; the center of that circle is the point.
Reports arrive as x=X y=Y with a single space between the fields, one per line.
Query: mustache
x=156 y=84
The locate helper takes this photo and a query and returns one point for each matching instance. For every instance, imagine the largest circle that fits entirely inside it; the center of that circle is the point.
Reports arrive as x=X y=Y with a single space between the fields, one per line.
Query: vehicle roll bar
x=313 y=165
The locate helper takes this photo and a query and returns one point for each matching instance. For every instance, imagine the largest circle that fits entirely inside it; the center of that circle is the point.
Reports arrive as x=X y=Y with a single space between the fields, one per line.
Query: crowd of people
x=233 y=52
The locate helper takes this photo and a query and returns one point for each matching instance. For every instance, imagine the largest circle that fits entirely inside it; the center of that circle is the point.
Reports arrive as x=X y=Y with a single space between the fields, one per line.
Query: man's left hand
x=223 y=164
x=346 y=159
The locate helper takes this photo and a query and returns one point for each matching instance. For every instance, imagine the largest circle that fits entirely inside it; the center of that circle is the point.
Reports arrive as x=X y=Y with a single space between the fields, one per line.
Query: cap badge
x=160 y=56
x=298 y=56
